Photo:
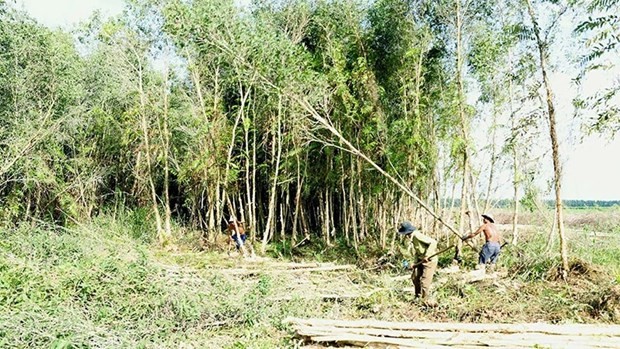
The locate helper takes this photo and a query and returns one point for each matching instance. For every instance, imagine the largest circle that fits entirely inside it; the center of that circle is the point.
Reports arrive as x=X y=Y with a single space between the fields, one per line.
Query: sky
x=53 y=13
x=591 y=168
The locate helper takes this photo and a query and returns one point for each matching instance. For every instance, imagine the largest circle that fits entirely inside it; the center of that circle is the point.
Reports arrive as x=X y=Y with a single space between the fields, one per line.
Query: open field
x=101 y=285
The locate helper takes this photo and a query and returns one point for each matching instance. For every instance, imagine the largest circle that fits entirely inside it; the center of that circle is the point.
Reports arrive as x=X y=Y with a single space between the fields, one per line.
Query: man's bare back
x=490 y=232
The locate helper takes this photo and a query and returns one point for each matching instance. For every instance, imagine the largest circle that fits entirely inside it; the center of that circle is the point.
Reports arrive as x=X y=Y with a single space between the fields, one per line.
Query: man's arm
x=431 y=245
x=478 y=231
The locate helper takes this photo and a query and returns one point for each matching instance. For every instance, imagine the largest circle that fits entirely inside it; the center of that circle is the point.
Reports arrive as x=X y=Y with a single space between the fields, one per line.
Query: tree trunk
x=557 y=166
x=344 y=204
x=248 y=174
x=166 y=138
x=297 y=202
x=161 y=235
x=253 y=206
x=463 y=120
x=487 y=201
x=515 y=168
x=272 y=199
x=354 y=209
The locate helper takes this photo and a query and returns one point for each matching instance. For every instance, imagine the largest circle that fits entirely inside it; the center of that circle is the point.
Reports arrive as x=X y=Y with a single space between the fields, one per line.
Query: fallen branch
x=326 y=296
x=353 y=150
x=349 y=147
x=292 y=270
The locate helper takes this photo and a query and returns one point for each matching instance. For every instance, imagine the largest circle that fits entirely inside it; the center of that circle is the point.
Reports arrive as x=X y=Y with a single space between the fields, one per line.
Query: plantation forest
x=128 y=144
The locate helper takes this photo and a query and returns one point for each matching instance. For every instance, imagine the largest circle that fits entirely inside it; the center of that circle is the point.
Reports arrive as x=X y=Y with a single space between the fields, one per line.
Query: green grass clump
x=79 y=288
x=103 y=285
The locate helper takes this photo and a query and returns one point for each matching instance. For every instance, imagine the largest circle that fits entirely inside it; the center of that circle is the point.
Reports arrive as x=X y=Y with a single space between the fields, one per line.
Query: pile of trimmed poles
x=383 y=334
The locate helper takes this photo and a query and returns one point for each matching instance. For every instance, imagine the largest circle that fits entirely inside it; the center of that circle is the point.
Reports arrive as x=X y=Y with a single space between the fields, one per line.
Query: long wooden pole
x=434 y=254
x=351 y=148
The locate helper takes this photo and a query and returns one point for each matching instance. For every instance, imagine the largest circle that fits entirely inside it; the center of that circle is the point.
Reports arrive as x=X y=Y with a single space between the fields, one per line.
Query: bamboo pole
x=351 y=148
x=543 y=328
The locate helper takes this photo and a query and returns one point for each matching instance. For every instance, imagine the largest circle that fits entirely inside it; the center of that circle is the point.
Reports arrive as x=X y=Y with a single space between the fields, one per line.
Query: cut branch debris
x=292 y=268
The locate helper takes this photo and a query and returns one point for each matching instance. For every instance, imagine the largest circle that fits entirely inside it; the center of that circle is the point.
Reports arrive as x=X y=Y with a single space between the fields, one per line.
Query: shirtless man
x=237 y=234
x=490 y=250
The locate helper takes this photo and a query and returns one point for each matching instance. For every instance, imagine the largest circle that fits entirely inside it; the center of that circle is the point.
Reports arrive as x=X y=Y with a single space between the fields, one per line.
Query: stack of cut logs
x=382 y=334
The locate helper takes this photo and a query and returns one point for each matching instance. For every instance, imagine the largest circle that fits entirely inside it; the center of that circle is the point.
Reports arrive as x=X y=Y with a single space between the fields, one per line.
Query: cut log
x=365 y=340
x=568 y=329
x=373 y=333
x=328 y=268
x=276 y=270
x=460 y=339
x=325 y=296
x=320 y=296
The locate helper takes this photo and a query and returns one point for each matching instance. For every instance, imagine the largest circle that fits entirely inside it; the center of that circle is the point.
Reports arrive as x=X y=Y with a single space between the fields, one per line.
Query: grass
x=104 y=285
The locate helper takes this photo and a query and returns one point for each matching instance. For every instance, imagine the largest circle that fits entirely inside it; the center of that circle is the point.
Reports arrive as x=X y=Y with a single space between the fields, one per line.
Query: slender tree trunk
x=474 y=198
x=166 y=137
x=463 y=120
x=254 y=169
x=362 y=205
x=345 y=204
x=463 y=209
x=283 y=204
x=452 y=198
x=297 y=201
x=248 y=174
x=277 y=140
x=487 y=201
x=557 y=166
x=354 y=208
x=515 y=162
x=326 y=226
x=161 y=235
x=219 y=195
x=515 y=210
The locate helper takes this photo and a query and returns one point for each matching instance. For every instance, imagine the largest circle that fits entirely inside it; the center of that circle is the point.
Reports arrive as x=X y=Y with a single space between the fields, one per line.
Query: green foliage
x=601 y=37
x=97 y=287
x=71 y=285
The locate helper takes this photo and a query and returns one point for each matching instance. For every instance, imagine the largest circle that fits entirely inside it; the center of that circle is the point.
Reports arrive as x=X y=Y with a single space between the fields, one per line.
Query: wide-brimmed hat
x=406 y=228
x=488 y=217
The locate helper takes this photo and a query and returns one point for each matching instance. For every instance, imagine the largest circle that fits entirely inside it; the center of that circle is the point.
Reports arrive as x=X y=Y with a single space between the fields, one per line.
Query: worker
x=424 y=249
x=491 y=249
x=237 y=234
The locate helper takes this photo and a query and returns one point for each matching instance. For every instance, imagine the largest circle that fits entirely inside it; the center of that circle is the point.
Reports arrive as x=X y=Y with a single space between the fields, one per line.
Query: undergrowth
x=104 y=285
